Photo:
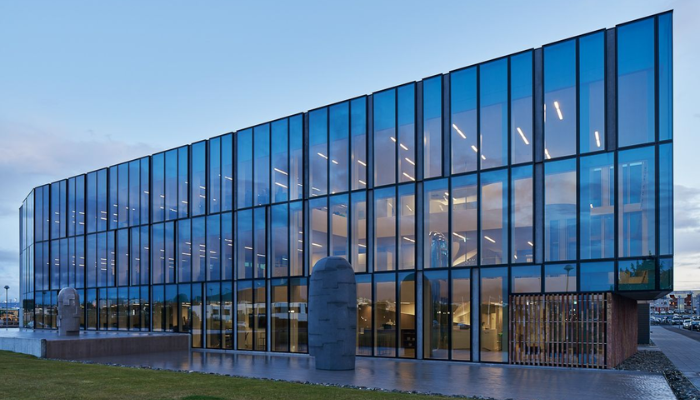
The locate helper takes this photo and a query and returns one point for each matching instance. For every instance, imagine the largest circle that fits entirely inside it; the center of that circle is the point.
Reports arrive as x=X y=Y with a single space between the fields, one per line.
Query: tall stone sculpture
x=68 y=312
x=333 y=314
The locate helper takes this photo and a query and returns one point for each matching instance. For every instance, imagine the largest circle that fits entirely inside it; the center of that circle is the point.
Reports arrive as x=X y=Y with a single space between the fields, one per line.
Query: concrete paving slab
x=683 y=351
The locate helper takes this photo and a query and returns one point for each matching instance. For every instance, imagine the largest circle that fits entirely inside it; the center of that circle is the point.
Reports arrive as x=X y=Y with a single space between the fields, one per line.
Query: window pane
x=184 y=265
x=385 y=229
x=279 y=242
x=407 y=318
x=197 y=315
x=227 y=172
x=407 y=132
x=144 y=255
x=358 y=245
x=213 y=322
x=385 y=137
x=244 y=244
x=80 y=206
x=260 y=316
x=592 y=92
x=244 y=170
x=560 y=99
x=665 y=76
x=432 y=127
x=318 y=152
x=461 y=315
x=407 y=227
x=280 y=161
x=637 y=274
x=298 y=308
x=636 y=217
x=339 y=226
x=521 y=107
x=171 y=185
x=169 y=252
x=560 y=210
x=260 y=244
x=199 y=179
x=436 y=314
x=494 y=314
x=635 y=83
x=199 y=248
x=245 y=315
x=435 y=225
x=101 y=200
x=227 y=310
x=213 y=248
x=364 y=315
x=339 y=144
x=296 y=238
x=666 y=273
x=123 y=257
x=214 y=175
x=493 y=113
x=113 y=216
x=494 y=217
x=145 y=190
x=560 y=278
x=134 y=193
x=279 y=299
x=598 y=206
x=358 y=130
x=665 y=199
x=261 y=181
x=183 y=181
x=385 y=315
x=526 y=279
x=521 y=217
x=318 y=220
x=598 y=276
x=464 y=221
x=123 y=195
x=157 y=253
x=463 y=123
x=296 y=157
x=227 y=246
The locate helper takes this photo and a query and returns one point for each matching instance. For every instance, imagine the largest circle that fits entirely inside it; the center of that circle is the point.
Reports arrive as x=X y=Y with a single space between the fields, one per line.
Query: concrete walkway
x=449 y=378
x=683 y=351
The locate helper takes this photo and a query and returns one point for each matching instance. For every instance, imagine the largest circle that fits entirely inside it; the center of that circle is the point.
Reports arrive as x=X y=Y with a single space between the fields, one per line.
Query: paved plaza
x=682 y=350
x=449 y=378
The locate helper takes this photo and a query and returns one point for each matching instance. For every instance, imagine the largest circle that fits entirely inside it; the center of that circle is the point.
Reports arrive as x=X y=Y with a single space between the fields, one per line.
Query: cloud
x=686 y=204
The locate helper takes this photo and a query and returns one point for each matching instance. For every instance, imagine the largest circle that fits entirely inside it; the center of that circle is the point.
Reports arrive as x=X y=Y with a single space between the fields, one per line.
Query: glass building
x=512 y=211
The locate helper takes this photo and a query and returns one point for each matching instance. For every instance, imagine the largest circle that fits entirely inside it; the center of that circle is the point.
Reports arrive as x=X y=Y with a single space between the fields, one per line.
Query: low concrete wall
x=33 y=347
x=111 y=346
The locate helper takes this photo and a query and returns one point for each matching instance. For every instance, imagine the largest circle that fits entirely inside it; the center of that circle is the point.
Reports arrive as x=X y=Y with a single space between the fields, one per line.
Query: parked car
x=695 y=325
x=687 y=323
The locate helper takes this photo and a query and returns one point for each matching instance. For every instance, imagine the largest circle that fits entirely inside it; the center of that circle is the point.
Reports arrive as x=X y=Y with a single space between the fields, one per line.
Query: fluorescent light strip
x=361 y=163
x=409 y=176
x=475 y=149
x=489 y=239
x=556 y=105
x=597 y=139
x=403 y=147
x=408 y=239
x=546 y=153
x=522 y=135
x=321 y=154
x=459 y=131
x=409 y=161
x=281 y=172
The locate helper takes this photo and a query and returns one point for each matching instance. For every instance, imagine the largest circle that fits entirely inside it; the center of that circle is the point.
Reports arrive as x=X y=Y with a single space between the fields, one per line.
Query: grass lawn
x=27 y=377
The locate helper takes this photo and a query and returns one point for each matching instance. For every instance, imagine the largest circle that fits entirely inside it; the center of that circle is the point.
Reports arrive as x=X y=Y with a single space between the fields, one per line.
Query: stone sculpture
x=68 y=312
x=333 y=314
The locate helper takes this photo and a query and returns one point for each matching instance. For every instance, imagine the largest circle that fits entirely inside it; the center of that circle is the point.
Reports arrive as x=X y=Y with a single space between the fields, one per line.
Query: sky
x=86 y=84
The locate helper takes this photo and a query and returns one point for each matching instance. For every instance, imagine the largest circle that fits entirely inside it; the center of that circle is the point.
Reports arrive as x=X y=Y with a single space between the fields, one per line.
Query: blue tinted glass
x=463 y=123
x=494 y=298
x=171 y=185
x=279 y=243
x=598 y=276
x=198 y=197
x=123 y=195
x=213 y=248
x=144 y=254
x=436 y=224
x=358 y=130
x=183 y=181
x=666 y=273
x=214 y=175
x=199 y=248
x=318 y=152
x=227 y=172
x=407 y=132
x=432 y=127
x=597 y=206
x=158 y=254
x=80 y=205
x=71 y=214
x=113 y=217
x=560 y=210
x=494 y=217
x=280 y=160
x=636 y=217
x=244 y=244
x=560 y=99
x=296 y=239
x=158 y=188
x=101 y=200
x=665 y=76
x=385 y=229
x=260 y=242
x=521 y=214
x=521 y=107
x=339 y=146
x=526 y=279
x=55 y=211
x=385 y=137
x=464 y=221
x=635 y=83
x=339 y=212
x=560 y=278
x=145 y=190
x=638 y=274
x=592 y=92
x=296 y=157
x=261 y=169
x=665 y=199
x=184 y=250
x=122 y=257
x=493 y=113
x=134 y=192
x=318 y=230
x=244 y=170
x=227 y=246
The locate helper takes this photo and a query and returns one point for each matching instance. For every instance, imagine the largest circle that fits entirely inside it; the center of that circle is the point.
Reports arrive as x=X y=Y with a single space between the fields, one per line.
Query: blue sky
x=88 y=84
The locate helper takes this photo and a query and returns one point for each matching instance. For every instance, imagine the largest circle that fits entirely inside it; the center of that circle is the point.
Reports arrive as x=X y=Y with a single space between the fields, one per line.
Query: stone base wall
x=623 y=329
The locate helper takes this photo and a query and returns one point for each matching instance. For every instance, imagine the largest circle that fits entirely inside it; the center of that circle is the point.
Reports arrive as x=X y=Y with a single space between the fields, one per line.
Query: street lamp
x=7 y=287
x=568 y=269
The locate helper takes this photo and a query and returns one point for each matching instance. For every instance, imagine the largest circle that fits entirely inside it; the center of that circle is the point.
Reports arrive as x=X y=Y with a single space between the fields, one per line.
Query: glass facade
x=448 y=196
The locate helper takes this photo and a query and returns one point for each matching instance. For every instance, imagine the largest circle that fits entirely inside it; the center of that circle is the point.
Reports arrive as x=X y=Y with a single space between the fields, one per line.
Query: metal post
x=7 y=287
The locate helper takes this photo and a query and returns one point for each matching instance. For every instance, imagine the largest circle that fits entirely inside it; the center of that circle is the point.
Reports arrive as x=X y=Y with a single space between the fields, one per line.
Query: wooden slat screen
x=564 y=330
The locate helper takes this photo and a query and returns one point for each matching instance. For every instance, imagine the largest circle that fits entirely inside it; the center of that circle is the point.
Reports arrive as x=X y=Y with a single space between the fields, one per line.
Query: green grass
x=27 y=377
